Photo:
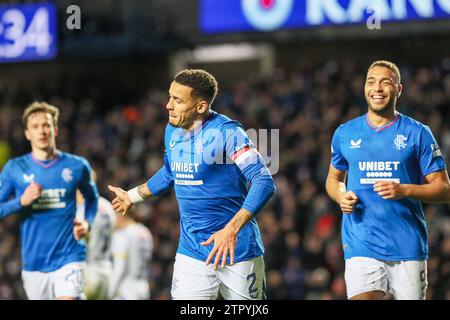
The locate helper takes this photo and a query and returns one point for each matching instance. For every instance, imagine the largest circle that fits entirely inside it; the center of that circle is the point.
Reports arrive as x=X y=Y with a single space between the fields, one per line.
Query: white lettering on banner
x=357 y=9
x=318 y=11
x=445 y=5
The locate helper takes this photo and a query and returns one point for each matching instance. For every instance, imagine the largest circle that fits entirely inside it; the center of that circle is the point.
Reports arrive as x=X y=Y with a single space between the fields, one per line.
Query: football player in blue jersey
x=41 y=188
x=383 y=165
x=221 y=183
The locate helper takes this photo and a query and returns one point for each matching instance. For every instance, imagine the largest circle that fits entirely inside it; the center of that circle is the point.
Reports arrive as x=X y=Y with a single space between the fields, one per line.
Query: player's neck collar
x=47 y=163
x=187 y=134
x=385 y=126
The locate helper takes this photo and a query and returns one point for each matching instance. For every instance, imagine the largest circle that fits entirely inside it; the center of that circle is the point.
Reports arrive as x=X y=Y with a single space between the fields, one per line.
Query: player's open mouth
x=378 y=98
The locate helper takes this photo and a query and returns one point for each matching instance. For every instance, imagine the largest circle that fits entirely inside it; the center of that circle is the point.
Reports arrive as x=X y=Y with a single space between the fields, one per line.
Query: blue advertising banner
x=221 y=16
x=28 y=32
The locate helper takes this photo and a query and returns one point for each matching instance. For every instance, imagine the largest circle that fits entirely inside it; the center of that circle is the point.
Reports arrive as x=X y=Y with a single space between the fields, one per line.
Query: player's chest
x=56 y=182
x=194 y=159
x=392 y=148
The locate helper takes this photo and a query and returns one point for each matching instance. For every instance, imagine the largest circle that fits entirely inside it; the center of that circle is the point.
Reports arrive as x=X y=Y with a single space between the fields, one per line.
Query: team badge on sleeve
x=436 y=151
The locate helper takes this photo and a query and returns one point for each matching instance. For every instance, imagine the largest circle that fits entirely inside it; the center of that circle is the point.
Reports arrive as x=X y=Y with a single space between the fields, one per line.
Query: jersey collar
x=186 y=135
x=46 y=164
x=387 y=125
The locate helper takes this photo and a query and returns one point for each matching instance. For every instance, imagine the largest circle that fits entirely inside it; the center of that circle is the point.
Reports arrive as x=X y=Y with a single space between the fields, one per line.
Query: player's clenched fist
x=348 y=202
x=122 y=202
x=31 y=193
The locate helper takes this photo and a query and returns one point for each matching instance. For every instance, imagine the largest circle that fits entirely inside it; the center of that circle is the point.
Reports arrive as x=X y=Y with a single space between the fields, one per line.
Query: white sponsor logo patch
x=436 y=152
x=355 y=144
x=28 y=178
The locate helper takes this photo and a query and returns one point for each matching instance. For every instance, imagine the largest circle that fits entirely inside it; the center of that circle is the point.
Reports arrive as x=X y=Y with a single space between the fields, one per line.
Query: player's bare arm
x=336 y=189
x=123 y=201
x=225 y=239
x=435 y=190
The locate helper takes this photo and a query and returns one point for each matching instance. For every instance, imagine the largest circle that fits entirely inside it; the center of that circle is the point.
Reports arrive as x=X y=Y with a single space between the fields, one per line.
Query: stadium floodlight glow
x=28 y=32
x=225 y=52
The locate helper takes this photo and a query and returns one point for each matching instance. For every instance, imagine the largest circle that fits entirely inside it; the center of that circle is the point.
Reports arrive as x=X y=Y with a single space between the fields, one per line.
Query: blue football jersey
x=46 y=226
x=403 y=151
x=210 y=169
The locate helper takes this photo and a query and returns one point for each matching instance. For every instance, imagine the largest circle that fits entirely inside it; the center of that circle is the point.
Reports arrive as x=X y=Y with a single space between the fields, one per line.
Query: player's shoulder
x=73 y=159
x=351 y=125
x=19 y=161
x=221 y=121
x=412 y=123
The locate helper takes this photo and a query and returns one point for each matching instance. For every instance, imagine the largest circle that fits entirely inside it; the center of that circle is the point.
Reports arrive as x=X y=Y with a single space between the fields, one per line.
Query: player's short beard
x=390 y=105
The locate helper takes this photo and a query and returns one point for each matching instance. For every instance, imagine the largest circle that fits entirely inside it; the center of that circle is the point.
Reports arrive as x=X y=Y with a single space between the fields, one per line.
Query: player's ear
x=27 y=135
x=202 y=106
x=56 y=131
x=400 y=89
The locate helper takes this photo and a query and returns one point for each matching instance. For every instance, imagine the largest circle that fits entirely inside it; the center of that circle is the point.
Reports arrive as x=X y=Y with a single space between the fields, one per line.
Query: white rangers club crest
x=400 y=142
x=66 y=174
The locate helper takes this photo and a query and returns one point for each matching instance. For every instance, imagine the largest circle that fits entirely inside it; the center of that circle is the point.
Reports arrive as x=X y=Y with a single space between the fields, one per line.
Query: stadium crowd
x=119 y=128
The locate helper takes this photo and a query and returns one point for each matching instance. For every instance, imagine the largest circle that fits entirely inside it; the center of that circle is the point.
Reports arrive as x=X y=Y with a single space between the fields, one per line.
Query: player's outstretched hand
x=224 y=245
x=348 y=202
x=389 y=190
x=121 y=203
x=31 y=193
x=80 y=229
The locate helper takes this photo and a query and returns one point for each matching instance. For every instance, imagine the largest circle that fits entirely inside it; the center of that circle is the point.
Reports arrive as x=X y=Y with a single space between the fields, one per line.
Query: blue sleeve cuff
x=160 y=182
x=261 y=190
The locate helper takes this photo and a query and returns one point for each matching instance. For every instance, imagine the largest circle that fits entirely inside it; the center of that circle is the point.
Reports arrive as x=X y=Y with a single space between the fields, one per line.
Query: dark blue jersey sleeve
x=337 y=159
x=162 y=180
x=241 y=150
x=90 y=193
x=8 y=206
x=429 y=153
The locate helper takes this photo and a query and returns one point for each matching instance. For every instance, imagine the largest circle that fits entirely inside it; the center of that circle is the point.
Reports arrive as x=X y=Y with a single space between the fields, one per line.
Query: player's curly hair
x=387 y=64
x=203 y=84
x=40 y=106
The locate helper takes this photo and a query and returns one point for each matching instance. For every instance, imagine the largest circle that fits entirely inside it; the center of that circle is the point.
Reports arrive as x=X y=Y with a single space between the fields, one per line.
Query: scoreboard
x=28 y=32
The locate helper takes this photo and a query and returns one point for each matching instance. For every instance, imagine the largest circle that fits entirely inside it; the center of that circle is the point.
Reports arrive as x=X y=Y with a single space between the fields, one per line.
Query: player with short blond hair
x=41 y=188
